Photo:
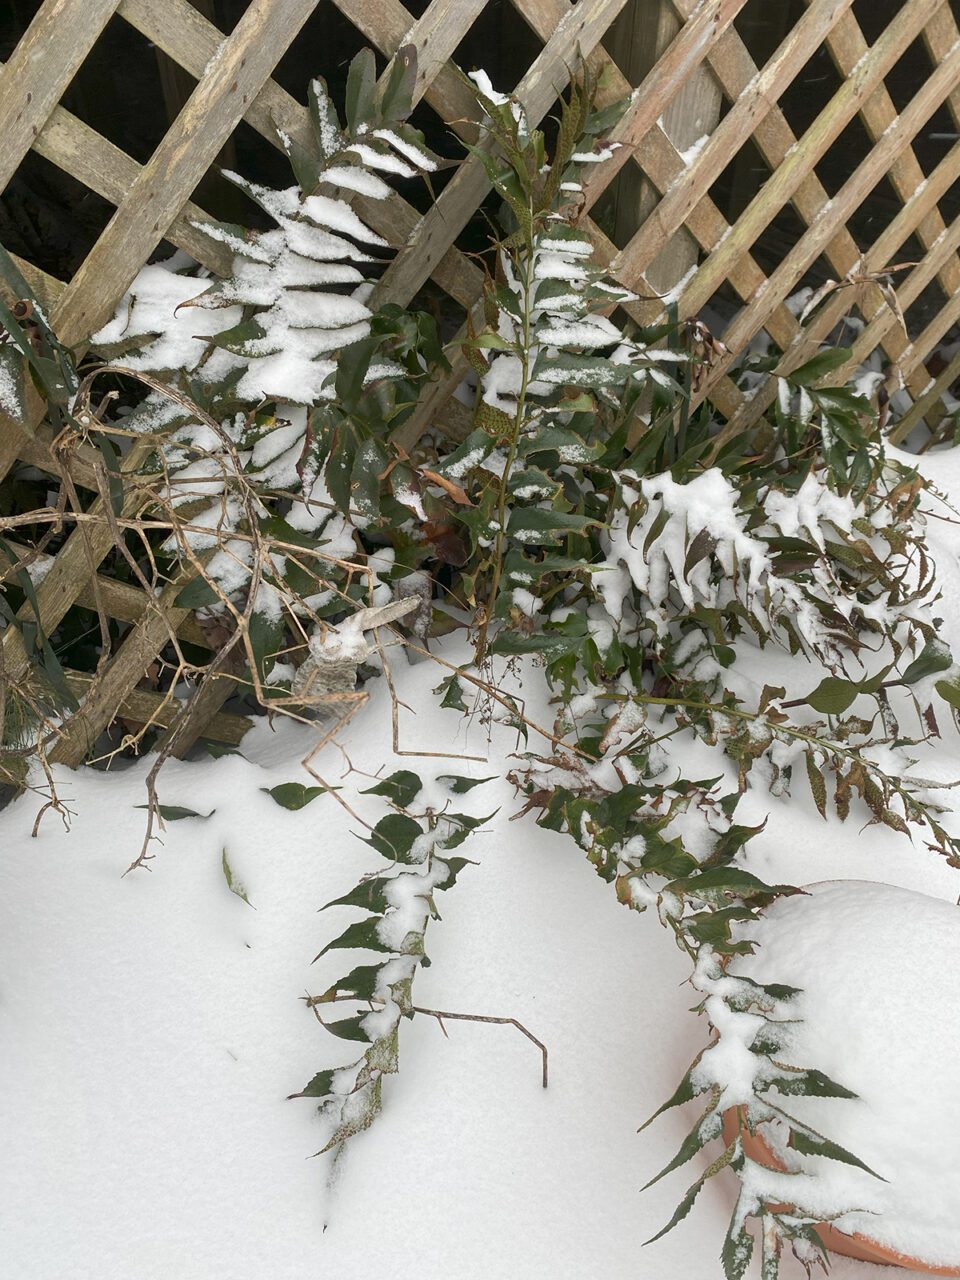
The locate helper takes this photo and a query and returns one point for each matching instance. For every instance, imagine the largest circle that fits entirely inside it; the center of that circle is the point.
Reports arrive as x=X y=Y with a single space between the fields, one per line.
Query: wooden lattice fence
x=678 y=221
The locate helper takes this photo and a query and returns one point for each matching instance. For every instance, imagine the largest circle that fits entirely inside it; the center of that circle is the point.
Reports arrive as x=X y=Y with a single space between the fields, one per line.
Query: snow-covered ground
x=151 y=1026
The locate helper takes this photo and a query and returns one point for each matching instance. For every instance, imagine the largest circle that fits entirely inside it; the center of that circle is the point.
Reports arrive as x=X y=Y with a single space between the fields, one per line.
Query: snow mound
x=878 y=968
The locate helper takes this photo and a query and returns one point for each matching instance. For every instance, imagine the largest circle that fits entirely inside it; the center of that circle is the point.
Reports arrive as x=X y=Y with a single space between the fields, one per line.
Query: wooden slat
x=847 y=45
x=881 y=318
x=187 y=37
x=162 y=186
x=851 y=194
x=82 y=152
x=109 y=688
x=580 y=29
x=144 y=707
x=791 y=172
x=159 y=191
x=930 y=398
x=742 y=120
x=121 y=600
x=41 y=66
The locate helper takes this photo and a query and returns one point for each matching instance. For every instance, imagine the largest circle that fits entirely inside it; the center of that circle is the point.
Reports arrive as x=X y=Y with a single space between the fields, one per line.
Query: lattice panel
x=153 y=202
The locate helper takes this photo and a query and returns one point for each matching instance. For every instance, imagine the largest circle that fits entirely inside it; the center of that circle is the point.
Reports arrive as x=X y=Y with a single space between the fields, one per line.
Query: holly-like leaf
x=394 y=836
x=400 y=788
x=459 y=785
x=176 y=812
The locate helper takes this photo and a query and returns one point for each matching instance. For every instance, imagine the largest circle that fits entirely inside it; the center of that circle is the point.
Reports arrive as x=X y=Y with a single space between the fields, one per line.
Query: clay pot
x=849 y=1246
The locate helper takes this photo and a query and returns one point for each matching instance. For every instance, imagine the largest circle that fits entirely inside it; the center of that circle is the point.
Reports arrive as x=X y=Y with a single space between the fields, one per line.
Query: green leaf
x=233 y=884
x=949 y=690
x=321 y=1086
x=176 y=812
x=686 y=1204
x=307 y=168
x=705 y=1130
x=400 y=787
x=821 y=364
x=545 y=528
x=360 y=100
x=293 y=795
x=933 y=657
x=548 y=644
x=361 y=982
x=460 y=785
x=362 y=934
x=571 y=447
x=264 y=634
x=396 y=101
x=808 y=1083
x=197 y=594
x=394 y=835
x=832 y=696
x=737 y=1250
x=349 y=1028
x=368 y=895
x=810 y=1143
x=684 y=1092
x=452 y=694
x=326 y=122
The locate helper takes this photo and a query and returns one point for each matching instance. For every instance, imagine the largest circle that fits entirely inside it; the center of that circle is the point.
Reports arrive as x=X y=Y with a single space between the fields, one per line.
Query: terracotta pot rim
x=849 y=1244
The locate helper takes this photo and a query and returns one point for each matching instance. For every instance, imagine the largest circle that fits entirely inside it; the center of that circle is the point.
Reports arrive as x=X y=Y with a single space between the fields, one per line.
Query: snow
x=153 y=1025
x=879 y=1017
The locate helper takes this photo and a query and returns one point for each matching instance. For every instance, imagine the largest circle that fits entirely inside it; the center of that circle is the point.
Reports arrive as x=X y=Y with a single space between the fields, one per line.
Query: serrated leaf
x=368 y=895
x=705 y=1130
x=810 y=1143
x=400 y=787
x=686 y=1204
x=460 y=785
x=807 y=1083
x=684 y=1092
x=176 y=812
x=737 y=1250
x=394 y=835
x=321 y=1086
x=362 y=934
x=293 y=795
x=818 y=785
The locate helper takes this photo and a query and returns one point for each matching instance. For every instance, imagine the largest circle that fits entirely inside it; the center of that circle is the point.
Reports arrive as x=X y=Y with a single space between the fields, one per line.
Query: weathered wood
x=580 y=29
x=117 y=680
x=786 y=179
x=186 y=36
x=742 y=119
x=121 y=600
x=41 y=66
x=928 y=401
x=160 y=190
x=648 y=27
x=142 y=706
x=854 y=190
x=881 y=318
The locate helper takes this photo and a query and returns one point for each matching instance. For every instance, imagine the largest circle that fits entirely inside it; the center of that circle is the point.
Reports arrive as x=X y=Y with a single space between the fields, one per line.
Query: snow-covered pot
x=879 y=970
